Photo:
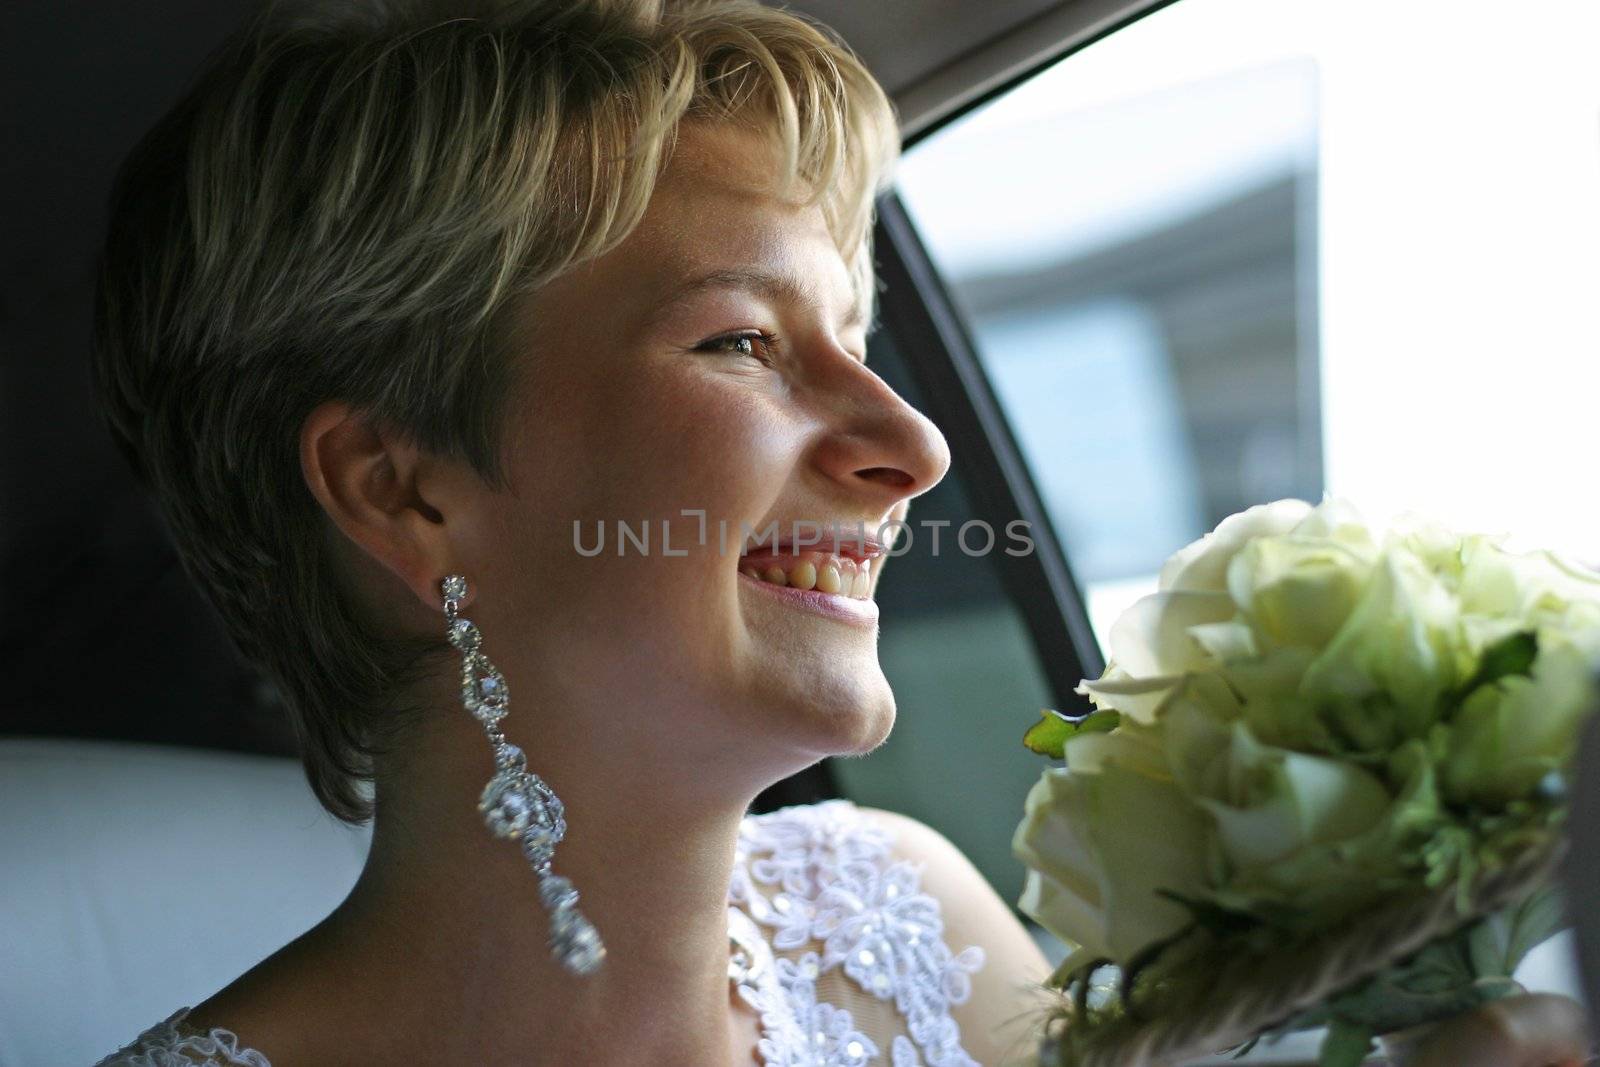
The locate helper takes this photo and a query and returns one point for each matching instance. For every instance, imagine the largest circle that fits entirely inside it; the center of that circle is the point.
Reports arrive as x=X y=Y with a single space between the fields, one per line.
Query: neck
x=473 y=939
x=445 y=925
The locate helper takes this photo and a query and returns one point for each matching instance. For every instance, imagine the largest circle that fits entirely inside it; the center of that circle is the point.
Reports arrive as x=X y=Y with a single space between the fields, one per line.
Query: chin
x=847 y=718
x=876 y=726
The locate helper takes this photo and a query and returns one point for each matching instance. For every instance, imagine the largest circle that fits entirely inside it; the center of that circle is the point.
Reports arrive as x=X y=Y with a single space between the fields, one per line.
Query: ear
x=375 y=486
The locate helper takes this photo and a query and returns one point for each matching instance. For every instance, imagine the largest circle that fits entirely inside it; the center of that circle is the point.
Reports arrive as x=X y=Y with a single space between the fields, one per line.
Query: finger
x=1531 y=1030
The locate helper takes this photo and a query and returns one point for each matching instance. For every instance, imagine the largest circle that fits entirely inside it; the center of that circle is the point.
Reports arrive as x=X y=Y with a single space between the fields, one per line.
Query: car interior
x=1145 y=264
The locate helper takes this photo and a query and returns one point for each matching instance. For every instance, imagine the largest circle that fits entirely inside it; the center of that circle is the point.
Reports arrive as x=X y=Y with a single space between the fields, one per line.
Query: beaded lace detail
x=822 y=878
x=815 y=890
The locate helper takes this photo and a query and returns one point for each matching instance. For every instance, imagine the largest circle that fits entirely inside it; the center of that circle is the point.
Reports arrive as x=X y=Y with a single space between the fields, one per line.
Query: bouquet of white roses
x=1321 y=786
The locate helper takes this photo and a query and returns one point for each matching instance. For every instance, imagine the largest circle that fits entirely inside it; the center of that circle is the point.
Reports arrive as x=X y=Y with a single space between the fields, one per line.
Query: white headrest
x=137 y=879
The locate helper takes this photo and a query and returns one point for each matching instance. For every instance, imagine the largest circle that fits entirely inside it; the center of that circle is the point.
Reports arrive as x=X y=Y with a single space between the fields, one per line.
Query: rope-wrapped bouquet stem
x=1322 y=785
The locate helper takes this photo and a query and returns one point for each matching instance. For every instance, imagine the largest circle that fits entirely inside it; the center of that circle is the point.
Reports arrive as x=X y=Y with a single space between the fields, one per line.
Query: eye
x=757 y=344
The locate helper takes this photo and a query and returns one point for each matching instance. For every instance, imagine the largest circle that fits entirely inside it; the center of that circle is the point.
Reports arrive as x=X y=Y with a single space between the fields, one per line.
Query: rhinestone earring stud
x=517 y=804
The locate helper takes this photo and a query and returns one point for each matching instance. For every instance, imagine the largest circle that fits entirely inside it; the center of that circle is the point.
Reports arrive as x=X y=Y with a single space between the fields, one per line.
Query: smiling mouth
x=824 y=572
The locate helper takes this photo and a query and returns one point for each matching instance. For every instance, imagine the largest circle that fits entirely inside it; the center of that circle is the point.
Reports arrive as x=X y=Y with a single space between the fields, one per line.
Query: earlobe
x=365 y=478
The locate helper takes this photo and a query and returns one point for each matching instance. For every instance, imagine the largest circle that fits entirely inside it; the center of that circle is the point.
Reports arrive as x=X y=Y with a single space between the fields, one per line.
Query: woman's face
x=649 y=387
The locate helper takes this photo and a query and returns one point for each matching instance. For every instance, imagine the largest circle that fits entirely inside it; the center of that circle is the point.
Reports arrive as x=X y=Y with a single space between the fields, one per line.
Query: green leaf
x=1486 y=947
x=1506 y=657
x=1076 y=970
x=1063 y=975
x=1245 y=1049
x=1439 y=981
x=1346 y=1045
x=1534 y=922
x=1049 y=736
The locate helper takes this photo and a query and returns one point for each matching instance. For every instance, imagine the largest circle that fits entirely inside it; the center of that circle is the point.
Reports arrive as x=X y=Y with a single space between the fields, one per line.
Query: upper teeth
x=830 y=574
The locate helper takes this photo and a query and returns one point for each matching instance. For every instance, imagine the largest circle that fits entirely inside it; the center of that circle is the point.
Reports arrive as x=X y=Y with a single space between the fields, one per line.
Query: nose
x=875 y=444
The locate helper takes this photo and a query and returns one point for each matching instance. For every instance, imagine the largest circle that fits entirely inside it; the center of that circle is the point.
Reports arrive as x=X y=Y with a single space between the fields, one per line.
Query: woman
x=401 y=309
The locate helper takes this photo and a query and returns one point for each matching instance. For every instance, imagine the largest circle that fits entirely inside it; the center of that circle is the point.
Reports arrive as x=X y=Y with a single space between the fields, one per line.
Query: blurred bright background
x=1246 y=249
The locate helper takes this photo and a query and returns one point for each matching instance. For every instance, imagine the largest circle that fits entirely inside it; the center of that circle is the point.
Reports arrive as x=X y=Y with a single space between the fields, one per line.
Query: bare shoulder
x=1006 y=991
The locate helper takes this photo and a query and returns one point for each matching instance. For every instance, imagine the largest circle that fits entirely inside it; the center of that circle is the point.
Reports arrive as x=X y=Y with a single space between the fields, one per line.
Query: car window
x=1246 y=249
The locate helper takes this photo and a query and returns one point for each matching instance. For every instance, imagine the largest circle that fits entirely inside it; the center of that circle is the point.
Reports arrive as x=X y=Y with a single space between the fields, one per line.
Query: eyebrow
x=776 y=287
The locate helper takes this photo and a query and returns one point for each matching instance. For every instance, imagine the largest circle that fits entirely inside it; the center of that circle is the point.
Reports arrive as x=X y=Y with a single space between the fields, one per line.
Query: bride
x=401 y=307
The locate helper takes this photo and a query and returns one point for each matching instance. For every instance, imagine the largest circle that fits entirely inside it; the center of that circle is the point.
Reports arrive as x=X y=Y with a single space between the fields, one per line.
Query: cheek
x=698 y=441
x=642 y=448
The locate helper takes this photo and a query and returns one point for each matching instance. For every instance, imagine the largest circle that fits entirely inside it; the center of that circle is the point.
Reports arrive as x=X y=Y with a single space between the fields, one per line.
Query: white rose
x=1521 y=590
x=1511 y=733
x=1152 y=647
x=1292 y=830
x=1251 y=571
x=1382 y=676
x=1296 y=590
x=1101 y=837
x=1203 y=565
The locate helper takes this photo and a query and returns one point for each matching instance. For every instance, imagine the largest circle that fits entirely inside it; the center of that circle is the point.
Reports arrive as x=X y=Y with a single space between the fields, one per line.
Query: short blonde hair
x=342 y=206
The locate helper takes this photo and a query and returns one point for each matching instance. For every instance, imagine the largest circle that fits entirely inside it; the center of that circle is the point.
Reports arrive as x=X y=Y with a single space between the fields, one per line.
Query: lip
x=829 y=605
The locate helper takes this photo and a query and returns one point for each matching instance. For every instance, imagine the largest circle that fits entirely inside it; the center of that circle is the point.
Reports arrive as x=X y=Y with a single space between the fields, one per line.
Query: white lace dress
x=851 y=969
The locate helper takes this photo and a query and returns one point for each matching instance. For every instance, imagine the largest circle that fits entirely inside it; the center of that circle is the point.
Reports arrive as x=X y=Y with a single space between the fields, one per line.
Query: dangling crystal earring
x=518 y=804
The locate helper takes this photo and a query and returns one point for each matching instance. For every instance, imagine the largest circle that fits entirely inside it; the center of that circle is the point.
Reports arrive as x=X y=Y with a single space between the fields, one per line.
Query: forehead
x=720 y=212
x=718 y=220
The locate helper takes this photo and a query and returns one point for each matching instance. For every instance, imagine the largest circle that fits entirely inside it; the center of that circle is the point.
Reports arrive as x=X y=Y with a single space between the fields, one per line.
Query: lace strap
x=175 y=1043
x=824 y=878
